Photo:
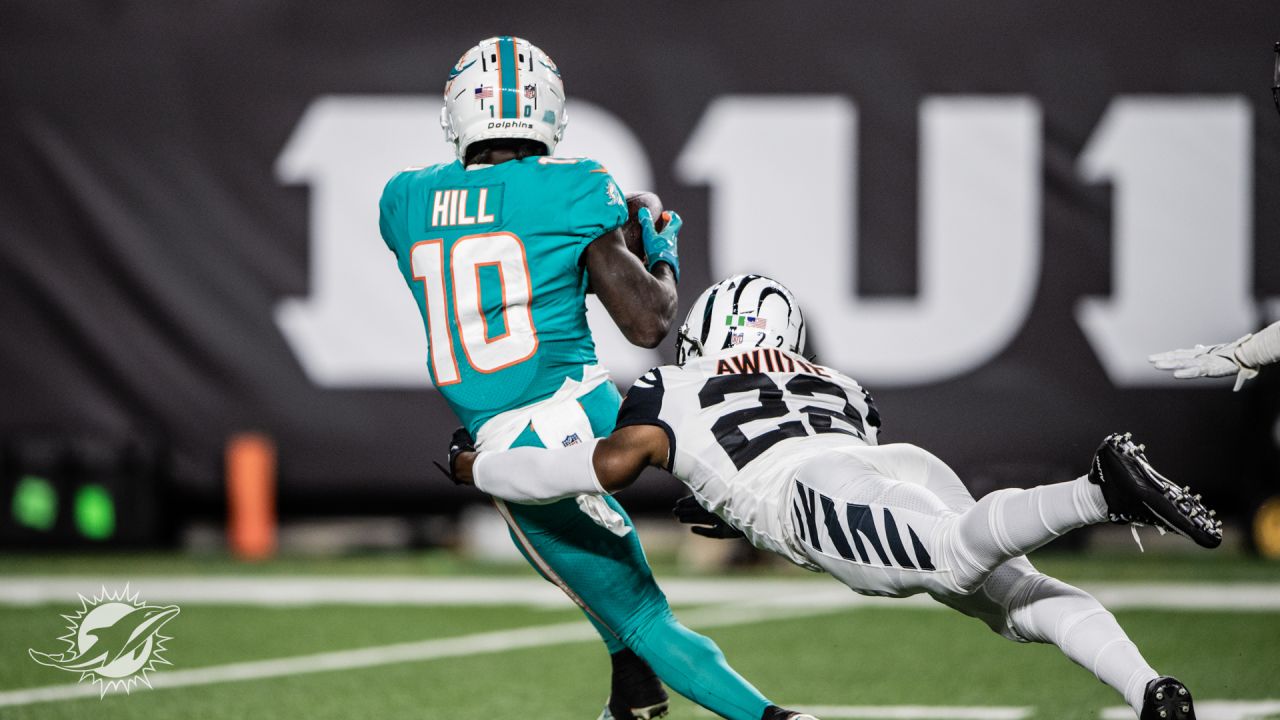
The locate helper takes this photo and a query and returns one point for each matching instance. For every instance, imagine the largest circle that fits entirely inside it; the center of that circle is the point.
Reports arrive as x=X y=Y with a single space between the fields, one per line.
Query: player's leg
x=875 y=518
x=1005 y=524
x=1024 y=605
x=1120 y=487
x=891 y=484
x=878 y=492
x=610 y=579
x=634 y=689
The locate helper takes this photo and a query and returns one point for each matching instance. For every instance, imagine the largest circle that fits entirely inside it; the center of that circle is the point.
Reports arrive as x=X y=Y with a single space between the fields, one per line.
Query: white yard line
x=293 y=591
x=918 y=712
x=466 y=645
x=1213 y=710
x=770 y=600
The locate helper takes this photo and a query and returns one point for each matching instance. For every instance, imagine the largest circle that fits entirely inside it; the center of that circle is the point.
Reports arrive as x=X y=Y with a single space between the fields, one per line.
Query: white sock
x=1044 y=609
x=1012 y=522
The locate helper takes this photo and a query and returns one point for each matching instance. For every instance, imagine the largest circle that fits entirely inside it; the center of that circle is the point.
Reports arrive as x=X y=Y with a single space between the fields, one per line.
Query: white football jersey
x=740 y=423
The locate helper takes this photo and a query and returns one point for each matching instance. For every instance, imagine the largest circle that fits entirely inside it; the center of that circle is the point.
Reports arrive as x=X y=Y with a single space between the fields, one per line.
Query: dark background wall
x=147 y=238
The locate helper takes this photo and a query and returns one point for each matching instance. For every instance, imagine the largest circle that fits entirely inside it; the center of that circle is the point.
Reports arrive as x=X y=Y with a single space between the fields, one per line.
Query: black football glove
x=702 y=521
x=460 y=442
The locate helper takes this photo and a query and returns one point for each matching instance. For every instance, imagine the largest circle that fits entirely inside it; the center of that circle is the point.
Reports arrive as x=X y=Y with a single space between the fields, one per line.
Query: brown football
x=631 y=230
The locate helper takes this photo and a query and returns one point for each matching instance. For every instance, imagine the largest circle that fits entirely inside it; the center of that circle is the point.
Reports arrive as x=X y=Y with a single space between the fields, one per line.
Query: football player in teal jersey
x=499 y=249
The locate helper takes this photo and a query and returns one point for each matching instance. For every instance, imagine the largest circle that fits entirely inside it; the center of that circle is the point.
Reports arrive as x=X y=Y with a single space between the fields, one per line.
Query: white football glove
x=1211 y=361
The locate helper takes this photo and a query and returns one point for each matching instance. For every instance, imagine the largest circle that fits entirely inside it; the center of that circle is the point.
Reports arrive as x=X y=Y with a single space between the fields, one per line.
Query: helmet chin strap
x=682 y=352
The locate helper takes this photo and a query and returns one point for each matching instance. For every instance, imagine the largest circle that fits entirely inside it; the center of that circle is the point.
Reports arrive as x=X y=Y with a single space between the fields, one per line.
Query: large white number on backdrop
x=778 y=211
x=1181 y=234
x=358 y=327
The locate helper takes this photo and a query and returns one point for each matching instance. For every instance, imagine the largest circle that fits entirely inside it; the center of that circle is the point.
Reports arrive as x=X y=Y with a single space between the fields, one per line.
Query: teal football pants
x=609 y=578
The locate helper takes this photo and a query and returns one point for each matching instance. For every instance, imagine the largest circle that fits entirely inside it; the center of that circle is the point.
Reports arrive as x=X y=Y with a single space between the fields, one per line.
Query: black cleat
x=1138 y=495
x=636 y=693
x=1167 y=699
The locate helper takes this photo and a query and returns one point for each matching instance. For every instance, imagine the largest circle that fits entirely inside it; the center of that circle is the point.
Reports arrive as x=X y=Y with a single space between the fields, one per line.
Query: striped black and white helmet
x=742 y=311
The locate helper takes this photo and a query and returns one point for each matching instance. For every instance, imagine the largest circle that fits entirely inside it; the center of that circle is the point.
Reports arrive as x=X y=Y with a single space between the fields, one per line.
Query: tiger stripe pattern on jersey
x=847 y=532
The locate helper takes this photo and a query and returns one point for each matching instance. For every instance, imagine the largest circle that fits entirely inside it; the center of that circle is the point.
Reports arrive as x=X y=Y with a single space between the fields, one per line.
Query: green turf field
x=863 y=656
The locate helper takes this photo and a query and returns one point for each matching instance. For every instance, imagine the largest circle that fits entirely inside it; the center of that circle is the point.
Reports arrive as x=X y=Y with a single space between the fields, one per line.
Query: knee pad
x=965 y=575
x=999 y=534
x=972 y=538
x=1044 y=609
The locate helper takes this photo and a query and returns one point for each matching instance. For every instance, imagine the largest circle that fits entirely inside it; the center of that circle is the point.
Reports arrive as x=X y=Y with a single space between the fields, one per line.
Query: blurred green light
x=95 y=512
x=35 y=504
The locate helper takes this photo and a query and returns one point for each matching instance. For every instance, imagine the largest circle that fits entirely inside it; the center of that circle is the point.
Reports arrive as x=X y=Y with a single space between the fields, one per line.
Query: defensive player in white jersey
x=1242 y=358
x=785 y=451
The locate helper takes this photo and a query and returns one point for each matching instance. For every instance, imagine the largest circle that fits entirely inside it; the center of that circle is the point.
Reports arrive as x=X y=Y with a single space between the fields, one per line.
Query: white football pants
x=895 y=520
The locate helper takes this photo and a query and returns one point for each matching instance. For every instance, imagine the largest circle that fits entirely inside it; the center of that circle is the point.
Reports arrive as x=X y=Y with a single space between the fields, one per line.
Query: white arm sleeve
x=1263 y=348
x=537 y=476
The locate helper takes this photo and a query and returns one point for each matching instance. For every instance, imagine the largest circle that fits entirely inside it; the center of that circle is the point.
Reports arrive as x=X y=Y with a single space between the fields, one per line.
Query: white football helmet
x=504 y=87
x=742 y=311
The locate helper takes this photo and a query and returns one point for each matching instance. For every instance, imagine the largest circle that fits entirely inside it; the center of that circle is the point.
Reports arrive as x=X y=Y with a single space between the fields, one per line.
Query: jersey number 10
x=519 y=340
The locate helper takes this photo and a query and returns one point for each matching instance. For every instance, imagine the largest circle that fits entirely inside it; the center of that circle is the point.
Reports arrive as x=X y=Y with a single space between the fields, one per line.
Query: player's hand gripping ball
x=661 y=246
x=631 y=231
x=649 y=228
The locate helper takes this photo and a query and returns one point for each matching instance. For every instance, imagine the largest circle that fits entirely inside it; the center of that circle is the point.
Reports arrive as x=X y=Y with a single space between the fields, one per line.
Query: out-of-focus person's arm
x=1241 y=358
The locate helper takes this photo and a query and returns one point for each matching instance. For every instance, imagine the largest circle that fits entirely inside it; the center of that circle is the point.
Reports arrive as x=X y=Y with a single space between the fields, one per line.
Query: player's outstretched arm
x=641 y=301
x=1241 y=358
x=540 y=475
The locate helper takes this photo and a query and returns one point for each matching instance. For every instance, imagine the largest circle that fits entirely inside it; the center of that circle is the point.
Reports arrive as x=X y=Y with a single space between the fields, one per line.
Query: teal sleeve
x=391 y=212
x=597 y=204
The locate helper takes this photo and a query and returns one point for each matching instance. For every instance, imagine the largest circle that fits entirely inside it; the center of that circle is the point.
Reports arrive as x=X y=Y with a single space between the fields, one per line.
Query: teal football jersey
x=492 y=256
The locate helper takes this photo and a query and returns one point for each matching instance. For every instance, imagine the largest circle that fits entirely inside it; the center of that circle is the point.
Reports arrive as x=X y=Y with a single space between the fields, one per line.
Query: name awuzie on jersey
x=766 y=360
